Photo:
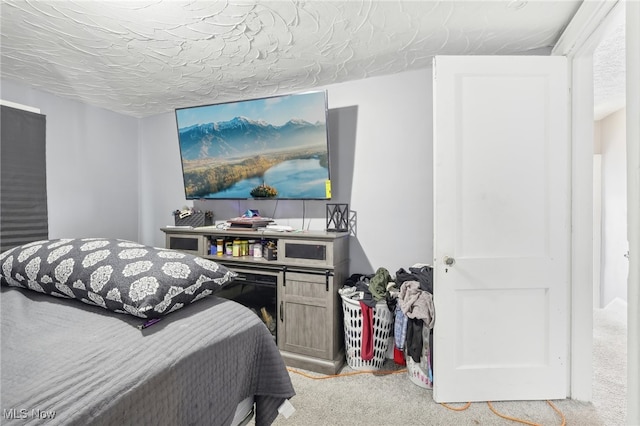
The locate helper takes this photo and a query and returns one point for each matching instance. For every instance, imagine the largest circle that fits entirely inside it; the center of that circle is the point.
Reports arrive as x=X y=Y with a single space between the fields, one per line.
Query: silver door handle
x=449 y=261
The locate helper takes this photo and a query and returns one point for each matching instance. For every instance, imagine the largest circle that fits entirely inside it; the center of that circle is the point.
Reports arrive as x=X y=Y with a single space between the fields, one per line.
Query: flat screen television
x=275 y=147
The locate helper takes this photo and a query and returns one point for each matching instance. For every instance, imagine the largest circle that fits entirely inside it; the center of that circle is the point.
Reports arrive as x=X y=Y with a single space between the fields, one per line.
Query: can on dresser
x=257 y=250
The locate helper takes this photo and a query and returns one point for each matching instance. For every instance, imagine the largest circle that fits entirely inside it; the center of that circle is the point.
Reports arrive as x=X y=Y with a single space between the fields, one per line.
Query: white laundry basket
x=418 y=375
x=382 y=326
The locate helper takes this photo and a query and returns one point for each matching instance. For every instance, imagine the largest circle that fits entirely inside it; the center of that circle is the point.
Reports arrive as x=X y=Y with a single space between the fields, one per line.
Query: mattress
x=243 y=413
x=75 y=364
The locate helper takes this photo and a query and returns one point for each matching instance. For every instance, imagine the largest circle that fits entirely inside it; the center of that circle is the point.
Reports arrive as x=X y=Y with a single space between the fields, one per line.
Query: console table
x=305 y=270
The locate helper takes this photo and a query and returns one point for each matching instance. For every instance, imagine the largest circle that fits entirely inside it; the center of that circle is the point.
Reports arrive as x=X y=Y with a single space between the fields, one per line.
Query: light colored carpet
x=373 y=400
x=370 y=400
x=610 y=362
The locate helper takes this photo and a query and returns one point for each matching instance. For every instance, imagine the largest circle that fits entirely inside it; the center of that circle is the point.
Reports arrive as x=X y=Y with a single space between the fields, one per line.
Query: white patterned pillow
x=121 y=276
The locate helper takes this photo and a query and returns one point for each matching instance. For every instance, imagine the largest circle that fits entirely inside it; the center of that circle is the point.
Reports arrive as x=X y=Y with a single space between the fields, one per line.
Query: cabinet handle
x=326 y=276
x=284 y=276
x=281 y=309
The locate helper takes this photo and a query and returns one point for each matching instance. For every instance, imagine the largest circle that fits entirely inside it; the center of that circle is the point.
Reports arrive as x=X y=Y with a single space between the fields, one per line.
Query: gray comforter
x=63 y=362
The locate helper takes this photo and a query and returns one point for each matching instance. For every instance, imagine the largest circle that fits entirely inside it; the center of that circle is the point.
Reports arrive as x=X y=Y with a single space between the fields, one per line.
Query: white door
x=502 y=215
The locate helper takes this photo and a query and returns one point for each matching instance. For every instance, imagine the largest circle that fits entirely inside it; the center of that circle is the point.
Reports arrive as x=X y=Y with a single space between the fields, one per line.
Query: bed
x=173 y=357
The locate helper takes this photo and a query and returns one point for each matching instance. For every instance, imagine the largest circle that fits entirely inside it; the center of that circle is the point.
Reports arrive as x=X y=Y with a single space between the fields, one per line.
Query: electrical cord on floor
x=464 y=407
x=404 y=370
x=351 y=373
x=504 y=416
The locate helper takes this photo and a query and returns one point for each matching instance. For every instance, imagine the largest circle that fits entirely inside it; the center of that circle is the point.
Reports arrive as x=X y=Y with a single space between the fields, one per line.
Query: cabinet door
x=306 y=325
x=188 y=243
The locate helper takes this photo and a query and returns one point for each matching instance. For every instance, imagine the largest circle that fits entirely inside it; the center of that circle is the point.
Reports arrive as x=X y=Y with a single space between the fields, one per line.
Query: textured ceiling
x=609 y=70
x=142 y=58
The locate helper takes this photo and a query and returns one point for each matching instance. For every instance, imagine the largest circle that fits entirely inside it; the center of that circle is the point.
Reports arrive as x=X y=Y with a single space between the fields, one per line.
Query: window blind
x=23 y=178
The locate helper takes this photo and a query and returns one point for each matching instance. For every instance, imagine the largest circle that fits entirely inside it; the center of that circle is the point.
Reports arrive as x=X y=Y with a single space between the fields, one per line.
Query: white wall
x=615 y=266
x=161 y=187
x=381 y=165
x=92 y=166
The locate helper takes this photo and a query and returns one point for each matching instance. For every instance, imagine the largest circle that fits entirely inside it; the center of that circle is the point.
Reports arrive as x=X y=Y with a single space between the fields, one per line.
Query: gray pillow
x=121 y=276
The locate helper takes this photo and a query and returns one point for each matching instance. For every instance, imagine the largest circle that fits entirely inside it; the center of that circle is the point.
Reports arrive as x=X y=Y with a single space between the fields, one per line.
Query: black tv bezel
x=327 y=138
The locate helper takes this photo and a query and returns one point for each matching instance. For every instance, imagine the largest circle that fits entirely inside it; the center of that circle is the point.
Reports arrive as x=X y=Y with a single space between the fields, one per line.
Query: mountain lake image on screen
x=275 y=147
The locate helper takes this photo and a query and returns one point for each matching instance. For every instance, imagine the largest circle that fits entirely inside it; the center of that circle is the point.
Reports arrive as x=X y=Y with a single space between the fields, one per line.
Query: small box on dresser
x=195 y=219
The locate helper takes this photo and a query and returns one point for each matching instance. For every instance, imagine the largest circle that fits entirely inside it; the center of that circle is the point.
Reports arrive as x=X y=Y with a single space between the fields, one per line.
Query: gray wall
x=118 y=176
x=92 y=166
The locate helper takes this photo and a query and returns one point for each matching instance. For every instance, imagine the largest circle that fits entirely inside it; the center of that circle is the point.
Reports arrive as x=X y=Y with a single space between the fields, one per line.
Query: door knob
x=449 y=261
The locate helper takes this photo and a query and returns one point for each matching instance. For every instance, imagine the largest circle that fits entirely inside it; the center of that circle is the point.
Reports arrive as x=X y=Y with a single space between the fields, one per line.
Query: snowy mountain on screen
x=241 y=136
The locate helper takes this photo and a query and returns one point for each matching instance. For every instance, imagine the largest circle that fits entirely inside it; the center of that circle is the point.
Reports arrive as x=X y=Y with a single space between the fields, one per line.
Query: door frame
x=578 y=42
x=633 y=209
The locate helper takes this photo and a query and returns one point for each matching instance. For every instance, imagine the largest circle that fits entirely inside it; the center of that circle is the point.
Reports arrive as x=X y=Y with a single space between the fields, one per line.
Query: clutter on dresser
x=238 y=247
x=193 y=218
x=248 y=224
x=249 y=221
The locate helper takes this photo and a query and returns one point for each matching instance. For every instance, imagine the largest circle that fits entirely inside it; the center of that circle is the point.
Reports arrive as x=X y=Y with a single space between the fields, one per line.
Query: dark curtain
x=23 y=178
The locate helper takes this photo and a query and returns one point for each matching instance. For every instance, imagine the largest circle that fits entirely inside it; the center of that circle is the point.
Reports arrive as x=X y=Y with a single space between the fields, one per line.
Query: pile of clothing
x=368 y=290
x=409 y=296
x=415 y=317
